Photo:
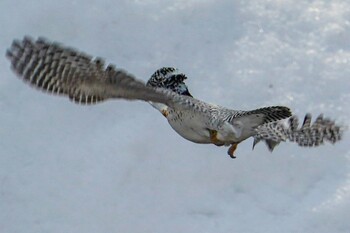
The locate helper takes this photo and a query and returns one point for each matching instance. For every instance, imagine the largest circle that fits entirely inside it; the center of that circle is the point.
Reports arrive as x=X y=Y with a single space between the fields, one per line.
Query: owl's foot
x=165 y=113
x=231 y=150
x=214 y=139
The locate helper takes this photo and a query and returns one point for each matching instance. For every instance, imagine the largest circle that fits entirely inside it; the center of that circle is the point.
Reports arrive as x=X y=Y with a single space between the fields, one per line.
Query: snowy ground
x=118 y=166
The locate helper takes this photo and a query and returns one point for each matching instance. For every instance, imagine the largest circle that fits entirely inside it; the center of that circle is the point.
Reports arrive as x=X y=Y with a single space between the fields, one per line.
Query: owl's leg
x=214 y=139
x=232 y=149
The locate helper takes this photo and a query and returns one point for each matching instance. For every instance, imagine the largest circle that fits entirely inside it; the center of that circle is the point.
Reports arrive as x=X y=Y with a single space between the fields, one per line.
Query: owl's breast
x=189 y=126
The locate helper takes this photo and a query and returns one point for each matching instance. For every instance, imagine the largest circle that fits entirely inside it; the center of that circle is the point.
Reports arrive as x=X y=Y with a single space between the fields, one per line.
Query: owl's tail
x=308 y=134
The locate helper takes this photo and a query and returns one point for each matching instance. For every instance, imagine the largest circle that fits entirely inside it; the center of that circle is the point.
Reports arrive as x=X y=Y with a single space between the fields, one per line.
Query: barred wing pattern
x=56 y=69
x=308 y=135
x=65 y=71
x=269 y=114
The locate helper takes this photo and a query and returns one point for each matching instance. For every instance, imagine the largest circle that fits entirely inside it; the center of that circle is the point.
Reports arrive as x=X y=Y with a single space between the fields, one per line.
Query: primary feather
x=65 y=71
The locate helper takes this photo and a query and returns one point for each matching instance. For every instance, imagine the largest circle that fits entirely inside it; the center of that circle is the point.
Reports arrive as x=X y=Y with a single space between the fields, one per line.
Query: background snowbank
x=118 y=166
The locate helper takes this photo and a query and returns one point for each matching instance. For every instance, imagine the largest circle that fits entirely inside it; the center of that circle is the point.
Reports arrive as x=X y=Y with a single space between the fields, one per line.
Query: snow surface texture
x=119 y=167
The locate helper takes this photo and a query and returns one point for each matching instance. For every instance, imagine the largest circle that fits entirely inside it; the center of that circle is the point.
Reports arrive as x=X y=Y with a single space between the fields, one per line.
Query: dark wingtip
x=256 y=141
x=287 y=112
x=271 y=144
x=9 y=54
x=307 y=120
x=187 y=93
x=27 y=40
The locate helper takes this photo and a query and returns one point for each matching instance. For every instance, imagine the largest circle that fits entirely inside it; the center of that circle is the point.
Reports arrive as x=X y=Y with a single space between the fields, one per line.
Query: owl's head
x=169 y=78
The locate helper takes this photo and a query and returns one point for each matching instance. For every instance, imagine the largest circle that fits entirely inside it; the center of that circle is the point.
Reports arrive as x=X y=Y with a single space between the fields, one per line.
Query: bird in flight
x=56 y=69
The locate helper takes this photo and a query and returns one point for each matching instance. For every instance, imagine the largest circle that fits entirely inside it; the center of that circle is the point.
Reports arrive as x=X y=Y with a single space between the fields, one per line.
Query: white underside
x=195 y=127
x=189 y=127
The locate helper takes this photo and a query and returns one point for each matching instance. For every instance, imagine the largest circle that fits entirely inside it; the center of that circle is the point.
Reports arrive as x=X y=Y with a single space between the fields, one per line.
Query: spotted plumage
x=56 y=69
x=233 y=126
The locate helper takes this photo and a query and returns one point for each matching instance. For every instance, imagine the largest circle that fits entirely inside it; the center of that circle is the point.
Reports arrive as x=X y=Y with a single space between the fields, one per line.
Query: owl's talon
x=165 y=113
x=231 y=150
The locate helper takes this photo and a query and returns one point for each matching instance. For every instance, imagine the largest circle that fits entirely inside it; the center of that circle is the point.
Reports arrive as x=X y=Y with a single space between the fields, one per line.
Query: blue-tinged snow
x=119 y=167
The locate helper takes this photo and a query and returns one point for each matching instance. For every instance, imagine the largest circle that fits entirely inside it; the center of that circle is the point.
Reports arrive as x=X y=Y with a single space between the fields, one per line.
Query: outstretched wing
x=308 y=134
x=65 y=71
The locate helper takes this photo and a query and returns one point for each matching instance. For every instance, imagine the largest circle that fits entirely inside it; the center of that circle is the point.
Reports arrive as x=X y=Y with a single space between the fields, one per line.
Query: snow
x=119 y=167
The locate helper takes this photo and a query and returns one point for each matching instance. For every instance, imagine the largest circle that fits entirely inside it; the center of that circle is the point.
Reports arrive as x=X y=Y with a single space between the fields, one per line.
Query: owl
x=56 y=69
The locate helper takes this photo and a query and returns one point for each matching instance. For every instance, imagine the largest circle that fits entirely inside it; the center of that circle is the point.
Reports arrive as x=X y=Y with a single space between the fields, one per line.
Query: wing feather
x=308 y=135
x=60 y=70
